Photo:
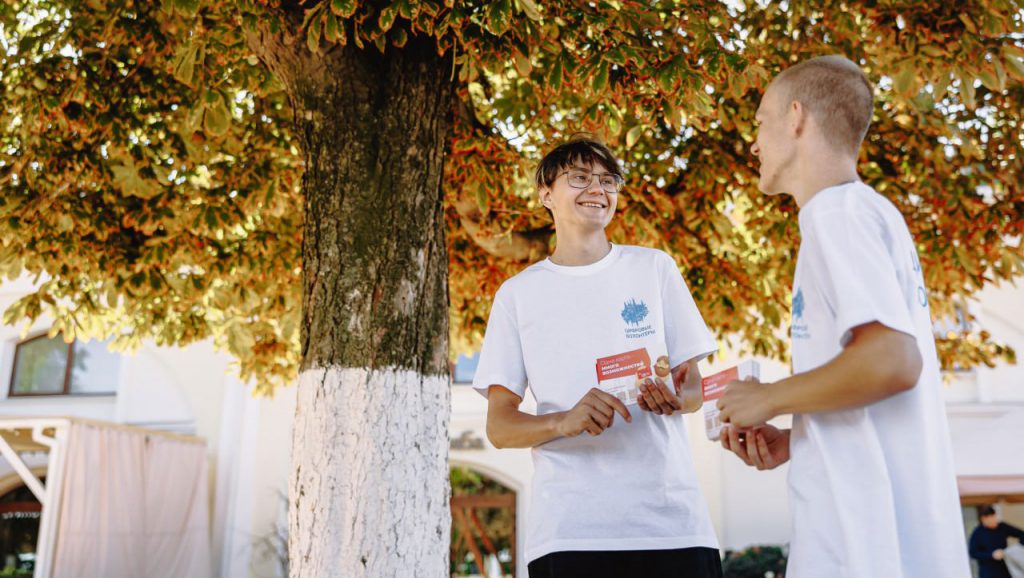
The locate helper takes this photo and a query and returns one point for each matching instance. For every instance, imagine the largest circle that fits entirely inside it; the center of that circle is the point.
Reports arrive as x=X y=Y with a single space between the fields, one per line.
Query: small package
x=713 y=386
x=621 y=374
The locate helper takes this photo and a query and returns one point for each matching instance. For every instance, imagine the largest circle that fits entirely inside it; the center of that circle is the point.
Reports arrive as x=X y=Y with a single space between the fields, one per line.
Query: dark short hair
x=581 y=147
x=985 y=511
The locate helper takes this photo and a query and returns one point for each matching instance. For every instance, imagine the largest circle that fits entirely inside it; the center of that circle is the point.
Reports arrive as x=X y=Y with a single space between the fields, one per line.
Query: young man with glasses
x=614 y=491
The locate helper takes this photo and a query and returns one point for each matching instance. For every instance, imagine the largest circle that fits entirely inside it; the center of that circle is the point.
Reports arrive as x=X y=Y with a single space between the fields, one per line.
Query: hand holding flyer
x=620 y=375
x=713 y=386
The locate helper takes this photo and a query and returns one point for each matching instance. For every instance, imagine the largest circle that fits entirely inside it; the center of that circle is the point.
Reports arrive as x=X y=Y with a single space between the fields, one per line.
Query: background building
x=192 y=390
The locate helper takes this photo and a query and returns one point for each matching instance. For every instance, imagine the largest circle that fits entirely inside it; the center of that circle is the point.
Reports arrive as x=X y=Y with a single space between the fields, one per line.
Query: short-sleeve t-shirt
x=633 y=487
x=873 y=489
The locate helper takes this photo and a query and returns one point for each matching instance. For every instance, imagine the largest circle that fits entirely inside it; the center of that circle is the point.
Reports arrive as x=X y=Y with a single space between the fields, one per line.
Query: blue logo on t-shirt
x=798 y=329
x=634 y=312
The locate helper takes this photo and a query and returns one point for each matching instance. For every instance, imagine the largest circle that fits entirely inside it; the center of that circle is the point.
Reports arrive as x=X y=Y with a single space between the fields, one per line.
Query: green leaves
x=344 y=8
x=498 y=16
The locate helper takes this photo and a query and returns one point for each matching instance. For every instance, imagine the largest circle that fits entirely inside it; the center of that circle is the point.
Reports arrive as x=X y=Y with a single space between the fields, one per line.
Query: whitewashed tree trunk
x=369 y=495
x=370 y=448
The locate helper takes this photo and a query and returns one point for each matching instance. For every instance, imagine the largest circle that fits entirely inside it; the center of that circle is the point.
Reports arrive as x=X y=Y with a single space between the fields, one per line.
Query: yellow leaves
x=530 y=8
x=522 y=64
x=904 y=81
x=633 y=135
x=216 y=115
x=127 y=178
x=185 y=61
x=967 y=90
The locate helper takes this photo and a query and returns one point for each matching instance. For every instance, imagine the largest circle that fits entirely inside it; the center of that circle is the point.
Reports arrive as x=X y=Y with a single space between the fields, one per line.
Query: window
x=48 y=366
x=465 y=368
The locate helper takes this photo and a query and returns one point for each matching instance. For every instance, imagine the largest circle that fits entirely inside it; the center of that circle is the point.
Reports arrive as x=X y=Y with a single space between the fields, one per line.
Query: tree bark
x=369 y=491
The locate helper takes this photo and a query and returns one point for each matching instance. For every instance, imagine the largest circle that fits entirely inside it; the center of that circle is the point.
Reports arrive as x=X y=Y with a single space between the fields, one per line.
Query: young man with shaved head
x=614 y=491
x=872 y=486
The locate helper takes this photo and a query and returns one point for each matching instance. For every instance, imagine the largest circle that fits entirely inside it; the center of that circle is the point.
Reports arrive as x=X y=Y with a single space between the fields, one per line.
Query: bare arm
x=507 y=427
x=877 y=363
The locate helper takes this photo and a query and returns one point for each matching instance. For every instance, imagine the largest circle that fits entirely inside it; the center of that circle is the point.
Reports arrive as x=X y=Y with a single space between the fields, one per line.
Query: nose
x=595 y=185
x=755 y=150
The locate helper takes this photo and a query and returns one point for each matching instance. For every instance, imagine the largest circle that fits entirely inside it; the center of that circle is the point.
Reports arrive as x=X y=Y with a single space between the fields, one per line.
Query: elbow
x=905 y=374
x=495 y=437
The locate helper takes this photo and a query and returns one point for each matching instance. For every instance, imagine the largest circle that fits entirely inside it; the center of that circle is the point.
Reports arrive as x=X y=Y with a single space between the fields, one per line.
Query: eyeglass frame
x=619 y=181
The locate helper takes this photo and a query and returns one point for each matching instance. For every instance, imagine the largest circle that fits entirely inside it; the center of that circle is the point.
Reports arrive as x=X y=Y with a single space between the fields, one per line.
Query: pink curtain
x=134 y=504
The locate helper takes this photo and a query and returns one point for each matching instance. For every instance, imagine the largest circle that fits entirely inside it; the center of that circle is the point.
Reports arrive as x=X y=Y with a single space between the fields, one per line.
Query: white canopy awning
x=118 y=501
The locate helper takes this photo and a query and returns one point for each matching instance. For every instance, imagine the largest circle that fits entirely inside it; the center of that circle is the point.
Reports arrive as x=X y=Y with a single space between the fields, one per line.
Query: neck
x=821 y=171
x=578 y=249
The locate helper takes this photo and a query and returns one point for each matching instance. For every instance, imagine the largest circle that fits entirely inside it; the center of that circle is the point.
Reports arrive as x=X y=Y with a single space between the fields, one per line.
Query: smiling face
x=589 y=208
x=776 y=144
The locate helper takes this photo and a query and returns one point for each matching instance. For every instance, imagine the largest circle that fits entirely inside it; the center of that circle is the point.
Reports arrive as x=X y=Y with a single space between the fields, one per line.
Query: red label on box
x=714 y=385
x=623 y=364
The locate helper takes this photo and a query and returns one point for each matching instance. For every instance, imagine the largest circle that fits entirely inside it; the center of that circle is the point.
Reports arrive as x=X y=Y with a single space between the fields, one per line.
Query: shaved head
x=836 y=93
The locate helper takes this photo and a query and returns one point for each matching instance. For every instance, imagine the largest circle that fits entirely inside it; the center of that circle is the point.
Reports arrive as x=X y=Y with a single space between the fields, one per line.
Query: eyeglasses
x=580 y=179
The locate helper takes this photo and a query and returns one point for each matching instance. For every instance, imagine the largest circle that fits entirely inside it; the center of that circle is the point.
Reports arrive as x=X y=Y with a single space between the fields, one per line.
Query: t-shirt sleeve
x=501 y=357
x=858 y=272
x=686 y=335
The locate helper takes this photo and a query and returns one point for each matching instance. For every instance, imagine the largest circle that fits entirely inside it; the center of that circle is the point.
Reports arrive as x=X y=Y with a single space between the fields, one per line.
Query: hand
x=745 y=404
x=593 y=414
x=765 y=447
x=655 y=396
x=998 y=555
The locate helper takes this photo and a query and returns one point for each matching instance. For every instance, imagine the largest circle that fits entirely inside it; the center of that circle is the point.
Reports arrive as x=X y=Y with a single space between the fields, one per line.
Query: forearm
x=878 y=363
x=511 y=428
x=690 y=390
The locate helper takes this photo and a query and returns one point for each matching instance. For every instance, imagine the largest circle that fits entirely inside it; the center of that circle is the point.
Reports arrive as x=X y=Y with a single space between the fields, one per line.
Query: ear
x=545 y=197
x=797 y=117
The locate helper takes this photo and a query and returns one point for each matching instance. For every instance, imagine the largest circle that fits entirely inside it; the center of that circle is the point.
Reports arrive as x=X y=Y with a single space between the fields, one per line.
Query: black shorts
x=681 y=563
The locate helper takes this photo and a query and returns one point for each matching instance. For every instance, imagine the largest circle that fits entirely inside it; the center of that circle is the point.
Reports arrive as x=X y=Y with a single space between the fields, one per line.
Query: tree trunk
x=369 y=491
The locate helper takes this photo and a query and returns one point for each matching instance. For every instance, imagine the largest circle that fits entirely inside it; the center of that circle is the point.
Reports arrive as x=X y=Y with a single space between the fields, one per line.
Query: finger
x=764 y=452
x=641 y=401
x=601 y=418
x=723 y=415
x=738 y=448
x=595 y=404
x=659 y=398
x=595 y=419
x=751 y=449
x=649 y=400
x=615 y=403
x=669 y=396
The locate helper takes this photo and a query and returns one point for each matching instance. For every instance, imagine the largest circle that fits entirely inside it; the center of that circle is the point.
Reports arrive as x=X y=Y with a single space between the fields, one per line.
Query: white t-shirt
x=634 y=486
x=873 y=489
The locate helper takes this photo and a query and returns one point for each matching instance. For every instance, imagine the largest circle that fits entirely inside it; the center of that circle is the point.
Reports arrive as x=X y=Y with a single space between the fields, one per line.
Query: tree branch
x=529 y=245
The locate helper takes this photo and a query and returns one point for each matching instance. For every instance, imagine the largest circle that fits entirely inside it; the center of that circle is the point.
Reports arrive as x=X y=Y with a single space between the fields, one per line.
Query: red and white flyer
x=621 y=374
x=713 y=386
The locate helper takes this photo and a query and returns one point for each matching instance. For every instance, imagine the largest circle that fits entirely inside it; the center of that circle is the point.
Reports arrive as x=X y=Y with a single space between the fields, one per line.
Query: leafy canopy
x=153 y=189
